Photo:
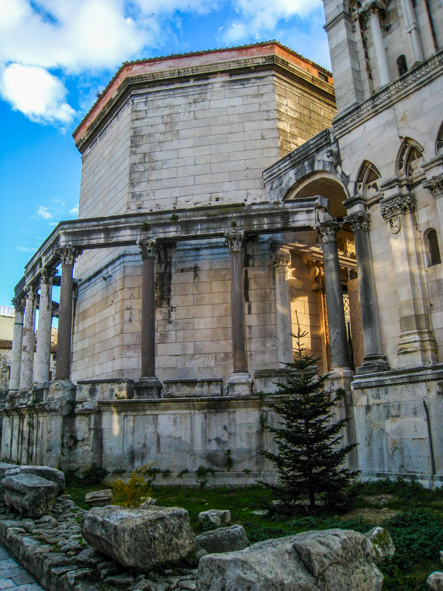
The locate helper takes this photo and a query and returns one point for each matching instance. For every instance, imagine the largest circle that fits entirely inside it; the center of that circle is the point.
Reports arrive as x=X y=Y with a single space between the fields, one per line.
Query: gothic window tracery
x=368 y=179
x=410 y=158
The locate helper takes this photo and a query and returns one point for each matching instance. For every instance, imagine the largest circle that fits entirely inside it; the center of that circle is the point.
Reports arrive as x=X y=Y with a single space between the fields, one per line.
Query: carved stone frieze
x=328 y=230
x=391 y=207
x=68 y=254
x=358 y=221
x=235 y=240
x=149 y=247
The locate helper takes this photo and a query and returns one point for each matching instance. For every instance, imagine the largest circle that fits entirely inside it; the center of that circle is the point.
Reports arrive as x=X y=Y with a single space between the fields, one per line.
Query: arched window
x=367 y=180
x=431 y=241
x=401 y=65
x=410 y=158
x=439 y=146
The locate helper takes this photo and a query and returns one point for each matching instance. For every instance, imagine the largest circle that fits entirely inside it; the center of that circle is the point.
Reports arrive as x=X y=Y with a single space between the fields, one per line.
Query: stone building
x=224 y=202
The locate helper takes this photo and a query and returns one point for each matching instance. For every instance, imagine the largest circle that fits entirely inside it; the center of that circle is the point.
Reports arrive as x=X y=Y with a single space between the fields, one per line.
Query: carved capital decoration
x=358 y=221
x=46 y=275
x=328 y=230
x=435 y=185
x=372 y=8
x=19 y=305
x=68 y=254
x=149 y=247
x=30 y=292
x=235 y=240
x=392 y=207
x=281 y=260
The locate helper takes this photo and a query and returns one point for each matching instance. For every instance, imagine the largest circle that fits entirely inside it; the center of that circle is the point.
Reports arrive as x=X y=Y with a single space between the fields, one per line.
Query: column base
x=240 y=384
x=149 y=387
x=416 y=348
x=340 y=377
x=373 y=364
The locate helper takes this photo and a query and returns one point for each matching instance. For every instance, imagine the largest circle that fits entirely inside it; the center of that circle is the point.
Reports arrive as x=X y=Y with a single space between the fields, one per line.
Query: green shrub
x=131 y=493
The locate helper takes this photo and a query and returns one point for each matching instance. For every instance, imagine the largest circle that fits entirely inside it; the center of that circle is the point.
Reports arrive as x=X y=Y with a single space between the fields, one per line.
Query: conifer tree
x=310 y=457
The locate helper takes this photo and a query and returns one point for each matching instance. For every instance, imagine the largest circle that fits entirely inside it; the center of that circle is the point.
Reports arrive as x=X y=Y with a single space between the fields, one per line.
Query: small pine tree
x=310 y=458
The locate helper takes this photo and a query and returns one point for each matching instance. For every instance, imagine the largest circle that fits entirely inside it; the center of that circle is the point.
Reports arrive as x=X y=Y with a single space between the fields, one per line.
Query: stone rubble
x=30 y=495
x=220 y=518
x=435 y=581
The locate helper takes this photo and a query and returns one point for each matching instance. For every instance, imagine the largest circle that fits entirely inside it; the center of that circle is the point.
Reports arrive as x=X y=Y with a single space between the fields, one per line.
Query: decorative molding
x=387 y=96
x=391 y=207
x=149 y=247
x=68 y=254
x=435 y=185
x=328 y=230
x=358 y=221
x=235 y=240
x=395 y=224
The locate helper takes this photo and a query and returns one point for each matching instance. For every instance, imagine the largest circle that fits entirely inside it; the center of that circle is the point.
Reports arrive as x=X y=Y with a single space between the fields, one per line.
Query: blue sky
x=55 y=55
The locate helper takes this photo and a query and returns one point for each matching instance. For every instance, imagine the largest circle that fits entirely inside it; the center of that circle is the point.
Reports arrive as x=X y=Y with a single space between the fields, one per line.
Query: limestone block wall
x=193 y=314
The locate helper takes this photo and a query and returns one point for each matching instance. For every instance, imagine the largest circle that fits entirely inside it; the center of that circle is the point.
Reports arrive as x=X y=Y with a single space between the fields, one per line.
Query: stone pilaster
x=435 y=185
x=410 y=24
x=340 y=365
x=148 y=386
x=28 y=348
x=374 y=359
x=372 y=11
x=281 y=259
x=240 y=383
x=67 y=256
x=417 y=344
x=43 y=354
x=17 y=344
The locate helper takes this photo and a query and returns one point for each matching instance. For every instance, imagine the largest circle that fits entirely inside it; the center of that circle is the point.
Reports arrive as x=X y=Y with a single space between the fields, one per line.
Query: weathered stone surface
x=149 y=502
x=140 y=538
x=99 y=498
x=381 y=542
x=223 y=539
x=4 y=467
x=45 y=472
x=435 y=581
x=332 y=560
x=221 y=518
x=30 y=495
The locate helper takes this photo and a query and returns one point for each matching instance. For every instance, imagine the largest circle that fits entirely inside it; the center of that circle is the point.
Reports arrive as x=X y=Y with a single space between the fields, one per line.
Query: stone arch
x=367 y=183
x=409 y=158
x=327 y=185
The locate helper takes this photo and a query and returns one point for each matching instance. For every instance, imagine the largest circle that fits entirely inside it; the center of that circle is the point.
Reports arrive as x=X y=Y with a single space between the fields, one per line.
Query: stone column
x=417 y=344
x=374 y=359
x=373 y=16
x=435 y=185
x=240 y=383
x=148 y=386
x=63 y=368
x=411 y=27
x=43 y=355
x=282 y=262
x=28 y=340
x=341 y=367
x=17 y=344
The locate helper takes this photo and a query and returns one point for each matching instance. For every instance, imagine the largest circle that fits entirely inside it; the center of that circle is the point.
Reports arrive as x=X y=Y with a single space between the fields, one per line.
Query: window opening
x=402 y=65
x=433 y=247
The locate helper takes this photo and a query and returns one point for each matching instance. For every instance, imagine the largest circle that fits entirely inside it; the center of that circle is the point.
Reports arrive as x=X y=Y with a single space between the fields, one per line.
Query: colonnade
x=24 y=374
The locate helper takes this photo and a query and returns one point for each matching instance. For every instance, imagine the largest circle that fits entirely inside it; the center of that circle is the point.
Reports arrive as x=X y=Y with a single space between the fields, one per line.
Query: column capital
x=236 y=240
x=19 y=304
x=328 y=230
x=46 y=275
x=372 y=8
x=149 y=247
x=358 y=221
x=30 y=291
x=68 y=254
x=281 y=259
x=392 y=207
x=435 y=185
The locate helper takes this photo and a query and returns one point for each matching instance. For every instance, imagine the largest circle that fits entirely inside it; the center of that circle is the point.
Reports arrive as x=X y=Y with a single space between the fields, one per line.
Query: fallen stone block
x=45 y=472
x=139 y=538
x=30 y=495
x=331 y=560
x=220 y=518
x=99 y=498
x=435 y=581
x=381 y=542
x=4 y=467
x=223 y=539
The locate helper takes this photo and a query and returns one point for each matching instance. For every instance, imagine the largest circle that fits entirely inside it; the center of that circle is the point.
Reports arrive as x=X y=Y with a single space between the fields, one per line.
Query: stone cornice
x=396 y=91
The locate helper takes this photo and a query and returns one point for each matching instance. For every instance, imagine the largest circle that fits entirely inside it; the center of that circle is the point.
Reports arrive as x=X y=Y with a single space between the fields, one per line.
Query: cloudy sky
x=56 y=55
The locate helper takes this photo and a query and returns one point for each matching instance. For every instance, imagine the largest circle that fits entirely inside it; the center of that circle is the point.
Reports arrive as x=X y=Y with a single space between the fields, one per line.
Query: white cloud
x=53 y=223
x=36 y=93
x=26 y=249
x=259 y=18
x=74 y=211
x=44 y=213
